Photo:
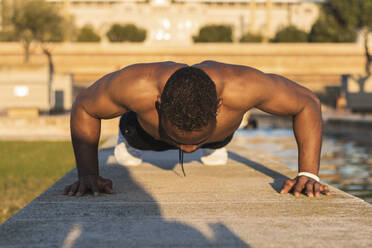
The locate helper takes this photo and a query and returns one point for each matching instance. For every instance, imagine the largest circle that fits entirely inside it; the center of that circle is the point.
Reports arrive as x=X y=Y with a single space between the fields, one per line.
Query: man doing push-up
x=170 y=105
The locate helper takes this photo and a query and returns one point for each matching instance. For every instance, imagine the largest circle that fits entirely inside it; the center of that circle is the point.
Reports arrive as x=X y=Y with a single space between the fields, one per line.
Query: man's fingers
x=310 y=189
x=89 y=183
x=74 y=188
x=287 y=186
x=107 y=189
x=317 y=189
x=82 y=190
x=94 y=188
x=67 y=189
x=324 y=189
x=92 y=184
x=109 y=182
x=300 y=185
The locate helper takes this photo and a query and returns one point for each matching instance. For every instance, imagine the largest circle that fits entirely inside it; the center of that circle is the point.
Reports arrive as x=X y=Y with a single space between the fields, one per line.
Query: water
x=344 y=163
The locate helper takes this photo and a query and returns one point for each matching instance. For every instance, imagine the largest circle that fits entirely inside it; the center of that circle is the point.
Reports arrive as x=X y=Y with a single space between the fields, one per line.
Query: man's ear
x=158 y=102
x=219 y=103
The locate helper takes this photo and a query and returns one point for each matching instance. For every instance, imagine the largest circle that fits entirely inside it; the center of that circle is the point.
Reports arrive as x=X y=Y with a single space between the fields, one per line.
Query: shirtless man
x=170 y=105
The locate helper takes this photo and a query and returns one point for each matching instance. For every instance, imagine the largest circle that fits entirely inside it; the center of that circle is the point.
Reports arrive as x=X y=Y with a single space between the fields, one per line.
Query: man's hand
x=95 y=184
x=303 y=183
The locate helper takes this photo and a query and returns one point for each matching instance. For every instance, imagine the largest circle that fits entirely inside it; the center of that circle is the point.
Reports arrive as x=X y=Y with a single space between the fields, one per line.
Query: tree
x=214 y=33
x=347 y=17
x=290 y=34
x=87 y=34
x=326 y=29
x=337 y=22
x=37 y=21
x=128 y=32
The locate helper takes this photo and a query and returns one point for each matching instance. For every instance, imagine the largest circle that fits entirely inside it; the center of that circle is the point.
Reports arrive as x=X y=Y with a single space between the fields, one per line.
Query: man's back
x=137 y=87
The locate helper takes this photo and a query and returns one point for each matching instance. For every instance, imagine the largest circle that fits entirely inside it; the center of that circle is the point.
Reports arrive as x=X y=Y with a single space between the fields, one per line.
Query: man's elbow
x=310 y=104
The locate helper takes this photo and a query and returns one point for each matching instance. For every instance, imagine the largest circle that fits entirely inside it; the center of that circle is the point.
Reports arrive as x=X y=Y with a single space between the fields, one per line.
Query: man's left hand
x=304 y=184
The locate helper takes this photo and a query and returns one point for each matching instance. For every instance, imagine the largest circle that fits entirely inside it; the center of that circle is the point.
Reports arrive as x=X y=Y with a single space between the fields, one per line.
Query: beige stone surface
x=46 y=127
x=298 y=59
x=315 y=66
x=22 y=112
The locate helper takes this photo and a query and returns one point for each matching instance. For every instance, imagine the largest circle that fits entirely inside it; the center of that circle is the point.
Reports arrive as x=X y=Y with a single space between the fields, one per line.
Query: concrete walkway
x=237 y=205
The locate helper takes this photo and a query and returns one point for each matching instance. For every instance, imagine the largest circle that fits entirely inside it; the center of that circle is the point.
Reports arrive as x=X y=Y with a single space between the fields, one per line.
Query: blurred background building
x=81 y=40
x=26 y=92
x=176 y=21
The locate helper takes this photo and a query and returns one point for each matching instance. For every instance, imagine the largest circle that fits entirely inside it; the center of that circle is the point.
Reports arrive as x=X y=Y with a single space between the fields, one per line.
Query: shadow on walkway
x=132 y=217
x=276 y=176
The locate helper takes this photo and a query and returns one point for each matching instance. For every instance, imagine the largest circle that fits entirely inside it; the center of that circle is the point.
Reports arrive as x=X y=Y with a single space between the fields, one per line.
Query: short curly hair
x=189 y=99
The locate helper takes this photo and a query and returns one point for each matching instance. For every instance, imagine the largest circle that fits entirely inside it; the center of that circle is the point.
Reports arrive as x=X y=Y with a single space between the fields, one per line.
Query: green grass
x=28 y=168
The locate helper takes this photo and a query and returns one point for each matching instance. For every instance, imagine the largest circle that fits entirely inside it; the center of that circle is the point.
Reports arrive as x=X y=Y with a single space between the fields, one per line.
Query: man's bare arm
x=92 y=105
x=280 y=96
x=284 y=97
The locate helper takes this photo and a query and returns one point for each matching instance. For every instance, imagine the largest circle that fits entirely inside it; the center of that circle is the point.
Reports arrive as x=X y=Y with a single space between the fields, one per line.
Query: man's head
x=188 y=106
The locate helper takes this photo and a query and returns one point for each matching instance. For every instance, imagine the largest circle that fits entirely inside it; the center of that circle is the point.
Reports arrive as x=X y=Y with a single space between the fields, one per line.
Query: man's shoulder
x=150 y=73
x=138 y=85
x=228 y=73
x=235 y=83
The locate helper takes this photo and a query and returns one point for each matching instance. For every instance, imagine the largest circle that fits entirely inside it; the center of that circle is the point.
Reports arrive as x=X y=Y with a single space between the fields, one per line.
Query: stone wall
x=314 y=65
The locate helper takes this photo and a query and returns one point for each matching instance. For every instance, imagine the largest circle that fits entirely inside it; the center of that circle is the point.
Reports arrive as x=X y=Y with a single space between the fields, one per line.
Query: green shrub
x=251 y=37
x=290 y=34
x=87 y=34
x=28 y=168
x=214 y=33
x=326 y=29
x=128 y=32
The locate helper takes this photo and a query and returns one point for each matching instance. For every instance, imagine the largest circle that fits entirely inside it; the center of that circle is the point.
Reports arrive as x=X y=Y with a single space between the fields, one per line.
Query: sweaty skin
x=138 y=88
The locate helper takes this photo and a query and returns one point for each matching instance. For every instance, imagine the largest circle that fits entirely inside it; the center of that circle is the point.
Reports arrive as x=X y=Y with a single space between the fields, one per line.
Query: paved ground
x=237 y=205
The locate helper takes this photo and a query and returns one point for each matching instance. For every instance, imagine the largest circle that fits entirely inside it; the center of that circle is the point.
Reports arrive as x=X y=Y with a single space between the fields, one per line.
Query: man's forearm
x=85 y=133
x=86 y=157
x=307 y=127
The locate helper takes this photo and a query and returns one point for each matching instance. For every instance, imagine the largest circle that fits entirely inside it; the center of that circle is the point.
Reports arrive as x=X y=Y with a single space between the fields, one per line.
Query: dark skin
x=239 y=88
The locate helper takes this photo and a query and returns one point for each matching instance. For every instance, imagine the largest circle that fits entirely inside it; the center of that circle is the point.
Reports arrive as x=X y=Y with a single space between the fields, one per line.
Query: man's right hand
x=92 y=183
